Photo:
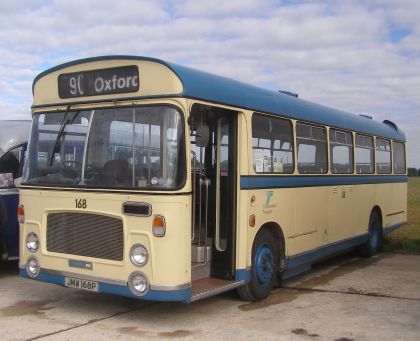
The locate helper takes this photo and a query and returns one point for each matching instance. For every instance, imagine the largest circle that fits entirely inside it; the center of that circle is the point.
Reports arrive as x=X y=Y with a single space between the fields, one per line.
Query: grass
x=407 y=238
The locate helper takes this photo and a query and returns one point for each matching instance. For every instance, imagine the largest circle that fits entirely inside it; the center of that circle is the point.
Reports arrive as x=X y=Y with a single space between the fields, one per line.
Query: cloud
x=358 y=56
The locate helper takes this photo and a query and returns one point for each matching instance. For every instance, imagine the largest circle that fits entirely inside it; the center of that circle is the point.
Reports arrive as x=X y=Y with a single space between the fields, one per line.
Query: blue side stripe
x=253 y=182
x=304 y=259
x=243 y=275
x=392 y=228
x=324 y=251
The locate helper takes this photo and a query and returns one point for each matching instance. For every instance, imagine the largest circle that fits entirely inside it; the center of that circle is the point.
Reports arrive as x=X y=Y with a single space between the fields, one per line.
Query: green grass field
x=407 y=239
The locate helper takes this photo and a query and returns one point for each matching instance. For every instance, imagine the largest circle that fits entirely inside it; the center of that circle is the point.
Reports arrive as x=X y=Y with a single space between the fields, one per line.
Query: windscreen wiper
x=58 y=142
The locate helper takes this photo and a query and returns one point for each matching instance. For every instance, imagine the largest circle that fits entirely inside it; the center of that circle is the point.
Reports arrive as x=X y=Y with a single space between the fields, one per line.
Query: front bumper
x=179 y=294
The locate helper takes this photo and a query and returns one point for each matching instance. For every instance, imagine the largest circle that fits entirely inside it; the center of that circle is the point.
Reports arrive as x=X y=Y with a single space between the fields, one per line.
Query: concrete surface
x=347 y=298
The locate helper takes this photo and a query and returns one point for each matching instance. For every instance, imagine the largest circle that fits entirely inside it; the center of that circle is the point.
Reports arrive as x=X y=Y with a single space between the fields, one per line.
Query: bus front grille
x=84 y=234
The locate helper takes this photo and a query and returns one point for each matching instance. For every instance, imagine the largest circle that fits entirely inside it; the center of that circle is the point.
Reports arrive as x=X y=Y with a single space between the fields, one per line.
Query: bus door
x=213 y=146
x=10 y=175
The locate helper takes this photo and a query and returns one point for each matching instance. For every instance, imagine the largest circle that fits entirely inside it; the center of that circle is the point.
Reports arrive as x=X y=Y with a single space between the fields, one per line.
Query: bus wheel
x=264 y=270
x=374 y=237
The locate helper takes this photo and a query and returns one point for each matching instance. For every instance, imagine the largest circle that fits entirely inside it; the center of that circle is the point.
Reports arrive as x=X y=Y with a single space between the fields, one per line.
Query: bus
x=156 y=181
x=13 y=142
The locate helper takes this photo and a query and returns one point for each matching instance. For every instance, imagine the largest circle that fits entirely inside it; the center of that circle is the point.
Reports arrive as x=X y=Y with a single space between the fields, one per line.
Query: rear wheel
x=374 y=237
x=265 y=264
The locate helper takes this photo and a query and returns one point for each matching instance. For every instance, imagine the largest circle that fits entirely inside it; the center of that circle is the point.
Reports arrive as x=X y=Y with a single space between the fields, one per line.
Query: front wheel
x=265 y=264
x=374 y=237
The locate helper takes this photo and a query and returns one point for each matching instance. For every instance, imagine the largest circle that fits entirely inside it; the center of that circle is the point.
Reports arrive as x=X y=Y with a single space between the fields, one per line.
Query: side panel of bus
x=317 y=220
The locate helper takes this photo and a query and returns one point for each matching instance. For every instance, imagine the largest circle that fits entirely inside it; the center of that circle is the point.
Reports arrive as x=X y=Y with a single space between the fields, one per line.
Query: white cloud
x=222 y=8
x=338 y=53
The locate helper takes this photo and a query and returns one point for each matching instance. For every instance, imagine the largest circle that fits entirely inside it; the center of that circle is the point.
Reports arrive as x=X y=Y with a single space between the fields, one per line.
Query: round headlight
x=32 y=267
x=138 y=284
x=139 y=255
x=32 y=242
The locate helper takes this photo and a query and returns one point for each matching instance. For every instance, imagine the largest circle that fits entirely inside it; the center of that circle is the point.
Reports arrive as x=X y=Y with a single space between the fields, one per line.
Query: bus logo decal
x=268 y=196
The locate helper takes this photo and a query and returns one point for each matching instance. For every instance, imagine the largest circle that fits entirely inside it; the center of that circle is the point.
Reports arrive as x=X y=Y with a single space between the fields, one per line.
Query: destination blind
x=99 y=82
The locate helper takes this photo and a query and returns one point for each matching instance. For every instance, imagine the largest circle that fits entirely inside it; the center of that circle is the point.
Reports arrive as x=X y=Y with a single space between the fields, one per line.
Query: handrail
x=194 y=158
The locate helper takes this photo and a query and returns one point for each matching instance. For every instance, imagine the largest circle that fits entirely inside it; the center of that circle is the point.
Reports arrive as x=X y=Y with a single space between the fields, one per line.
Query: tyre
x=265 y=265
x=374 y=237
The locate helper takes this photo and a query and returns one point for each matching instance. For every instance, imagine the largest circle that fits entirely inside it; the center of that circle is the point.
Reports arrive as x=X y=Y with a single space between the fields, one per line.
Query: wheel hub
x=264 y=265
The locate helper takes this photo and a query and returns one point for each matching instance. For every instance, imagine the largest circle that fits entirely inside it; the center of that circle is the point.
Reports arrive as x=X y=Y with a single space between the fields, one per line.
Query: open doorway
x=214 y=165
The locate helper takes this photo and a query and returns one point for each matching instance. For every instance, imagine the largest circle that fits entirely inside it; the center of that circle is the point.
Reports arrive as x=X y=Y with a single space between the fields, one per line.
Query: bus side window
x=341 y=152
x=364 y=157
x=272 y=144
x=399 y=157
x=383 y=156
x=311 y=149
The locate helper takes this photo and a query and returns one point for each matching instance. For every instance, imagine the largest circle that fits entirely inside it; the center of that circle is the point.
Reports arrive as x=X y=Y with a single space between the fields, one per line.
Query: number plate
x=81 y=284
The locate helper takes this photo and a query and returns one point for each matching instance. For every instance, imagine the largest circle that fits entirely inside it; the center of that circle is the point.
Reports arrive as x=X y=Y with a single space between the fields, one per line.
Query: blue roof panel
x=199 y=84
x=218 y=89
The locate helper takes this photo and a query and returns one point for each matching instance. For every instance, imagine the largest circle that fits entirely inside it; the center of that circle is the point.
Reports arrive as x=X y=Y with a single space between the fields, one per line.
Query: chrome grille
x=85 y=234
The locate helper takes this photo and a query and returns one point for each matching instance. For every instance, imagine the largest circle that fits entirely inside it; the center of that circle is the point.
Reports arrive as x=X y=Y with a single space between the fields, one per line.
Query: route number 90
x=76 y=85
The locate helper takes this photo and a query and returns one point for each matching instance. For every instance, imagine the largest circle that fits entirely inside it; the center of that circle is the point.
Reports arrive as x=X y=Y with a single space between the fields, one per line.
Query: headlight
x=139 y=255
x=32 y=267
x=32 y=242
x=138 y=284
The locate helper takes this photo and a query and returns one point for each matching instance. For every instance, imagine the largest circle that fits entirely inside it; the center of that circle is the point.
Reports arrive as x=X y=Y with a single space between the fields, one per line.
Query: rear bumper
x=182 y=294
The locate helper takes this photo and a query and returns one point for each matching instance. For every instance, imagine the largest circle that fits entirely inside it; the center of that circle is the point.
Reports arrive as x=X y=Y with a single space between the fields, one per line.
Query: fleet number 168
x=81 y=203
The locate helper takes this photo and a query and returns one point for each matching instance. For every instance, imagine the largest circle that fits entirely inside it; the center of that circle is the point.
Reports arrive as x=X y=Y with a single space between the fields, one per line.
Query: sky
x=358 y=56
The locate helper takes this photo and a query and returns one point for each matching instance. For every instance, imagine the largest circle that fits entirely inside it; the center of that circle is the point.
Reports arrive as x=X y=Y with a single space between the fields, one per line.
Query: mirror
x=202 y=136
x=6 y=180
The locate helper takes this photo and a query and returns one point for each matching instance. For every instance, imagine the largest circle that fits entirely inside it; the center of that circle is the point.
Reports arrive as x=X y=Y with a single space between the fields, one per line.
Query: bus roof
x=217 y=89
x=13 y=133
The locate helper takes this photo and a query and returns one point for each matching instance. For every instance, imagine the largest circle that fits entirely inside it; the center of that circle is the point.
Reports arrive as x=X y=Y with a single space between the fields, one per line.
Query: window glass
x=399 y=157
x=383 y=156
x=272 y=144
x=364 y=155
x=10 y=162
x=341 y=151
x=312 y=149
x=139 y=147
x=56 y=148
x=10 y=169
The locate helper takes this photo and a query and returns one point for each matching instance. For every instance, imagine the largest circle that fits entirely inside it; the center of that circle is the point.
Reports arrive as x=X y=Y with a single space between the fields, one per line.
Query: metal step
x=208 y=287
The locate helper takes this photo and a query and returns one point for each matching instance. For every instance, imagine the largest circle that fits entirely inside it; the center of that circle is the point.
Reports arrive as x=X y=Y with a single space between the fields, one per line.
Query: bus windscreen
x=136 y=148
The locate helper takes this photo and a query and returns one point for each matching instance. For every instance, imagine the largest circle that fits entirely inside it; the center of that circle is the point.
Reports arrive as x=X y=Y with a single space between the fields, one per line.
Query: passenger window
x=341 y=149
x=383 y=156
x=399 y=157
x=311 y=149
x=272 y=144
x=364 y=155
